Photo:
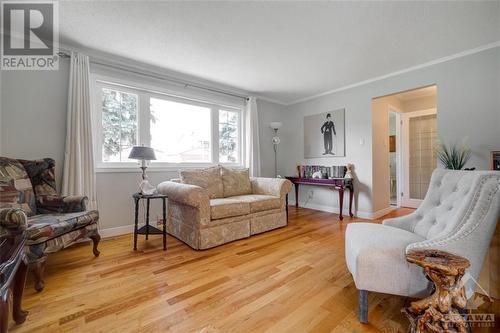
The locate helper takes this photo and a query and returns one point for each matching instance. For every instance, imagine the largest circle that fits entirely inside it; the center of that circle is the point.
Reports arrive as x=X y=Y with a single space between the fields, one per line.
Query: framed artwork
x=324 y=134
x=495 y=160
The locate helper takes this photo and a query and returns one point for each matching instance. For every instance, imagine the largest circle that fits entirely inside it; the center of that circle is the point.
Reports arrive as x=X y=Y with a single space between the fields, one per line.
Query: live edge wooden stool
x=439 y=312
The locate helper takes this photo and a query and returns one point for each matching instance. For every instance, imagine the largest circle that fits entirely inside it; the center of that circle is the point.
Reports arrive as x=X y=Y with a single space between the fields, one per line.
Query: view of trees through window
x=179 y=132
x=228 y=136
x=119 y=125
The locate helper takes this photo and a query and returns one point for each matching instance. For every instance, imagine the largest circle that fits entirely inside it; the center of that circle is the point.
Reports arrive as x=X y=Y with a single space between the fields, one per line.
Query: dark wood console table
x=12 y=279
x=339 y=184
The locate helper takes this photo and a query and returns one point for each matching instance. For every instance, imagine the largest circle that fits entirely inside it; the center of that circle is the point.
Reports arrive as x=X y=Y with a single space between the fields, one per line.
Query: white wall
x=33 y=125
x=468 y=107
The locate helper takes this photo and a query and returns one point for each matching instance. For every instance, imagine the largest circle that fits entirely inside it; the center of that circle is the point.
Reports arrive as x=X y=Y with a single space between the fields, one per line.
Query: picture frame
x=324 y=134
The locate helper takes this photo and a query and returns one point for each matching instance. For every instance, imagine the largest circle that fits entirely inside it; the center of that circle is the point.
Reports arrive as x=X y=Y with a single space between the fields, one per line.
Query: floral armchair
x=54 y=222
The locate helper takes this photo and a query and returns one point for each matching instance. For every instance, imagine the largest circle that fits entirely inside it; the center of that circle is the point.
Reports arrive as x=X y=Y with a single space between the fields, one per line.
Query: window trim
x=144 y=93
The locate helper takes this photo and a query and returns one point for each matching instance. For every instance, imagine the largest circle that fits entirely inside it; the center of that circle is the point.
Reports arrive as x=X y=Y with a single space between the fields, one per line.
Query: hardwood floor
x=292 y=279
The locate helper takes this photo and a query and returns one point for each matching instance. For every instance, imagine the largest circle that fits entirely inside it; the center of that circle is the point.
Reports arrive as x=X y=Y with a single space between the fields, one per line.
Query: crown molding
x=403 y=71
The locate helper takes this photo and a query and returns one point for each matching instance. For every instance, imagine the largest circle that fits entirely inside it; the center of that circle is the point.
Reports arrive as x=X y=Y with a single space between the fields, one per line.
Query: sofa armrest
x=190 y=195
x=56 y=204
x=13 y=219
x=278 y=187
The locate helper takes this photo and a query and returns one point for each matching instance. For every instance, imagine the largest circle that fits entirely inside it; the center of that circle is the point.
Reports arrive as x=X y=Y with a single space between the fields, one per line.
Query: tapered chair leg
x=363 y=306
x=95 y=242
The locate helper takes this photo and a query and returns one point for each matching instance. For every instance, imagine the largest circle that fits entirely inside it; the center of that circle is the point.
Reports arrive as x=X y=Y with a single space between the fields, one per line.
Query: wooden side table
x=439 y=312
x=13 y=271
x=148 y=229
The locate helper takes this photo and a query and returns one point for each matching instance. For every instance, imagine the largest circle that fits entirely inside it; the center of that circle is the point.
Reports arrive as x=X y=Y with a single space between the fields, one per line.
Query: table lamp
x=143 y=154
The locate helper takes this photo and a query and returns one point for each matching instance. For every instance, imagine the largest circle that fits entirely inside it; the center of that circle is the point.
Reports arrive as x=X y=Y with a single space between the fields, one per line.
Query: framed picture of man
x=324 y=134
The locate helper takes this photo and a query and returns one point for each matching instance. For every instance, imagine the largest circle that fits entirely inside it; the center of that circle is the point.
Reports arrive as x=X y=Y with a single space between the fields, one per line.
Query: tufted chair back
x=458 y=215
x=450 y=195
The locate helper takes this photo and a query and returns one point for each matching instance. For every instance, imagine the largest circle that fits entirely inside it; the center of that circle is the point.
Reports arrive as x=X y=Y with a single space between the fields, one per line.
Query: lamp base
x=146 y=188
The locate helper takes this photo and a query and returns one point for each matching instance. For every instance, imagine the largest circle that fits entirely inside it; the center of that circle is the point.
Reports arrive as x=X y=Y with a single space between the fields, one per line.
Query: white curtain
x=252 y=158
x=78 y=173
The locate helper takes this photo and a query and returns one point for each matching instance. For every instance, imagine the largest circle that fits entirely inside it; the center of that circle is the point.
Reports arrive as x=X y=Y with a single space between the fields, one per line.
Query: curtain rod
x=186 y=84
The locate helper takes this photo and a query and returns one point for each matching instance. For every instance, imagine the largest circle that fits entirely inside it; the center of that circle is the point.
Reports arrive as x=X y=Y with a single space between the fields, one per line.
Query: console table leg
x=286 y=203
x=296 y=195
x=351 y=195
x=341 y=203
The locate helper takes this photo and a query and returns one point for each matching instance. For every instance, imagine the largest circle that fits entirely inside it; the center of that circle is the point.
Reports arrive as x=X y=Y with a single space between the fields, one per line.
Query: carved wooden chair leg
x=95 y=239
x=363 y=306
x=38 y=269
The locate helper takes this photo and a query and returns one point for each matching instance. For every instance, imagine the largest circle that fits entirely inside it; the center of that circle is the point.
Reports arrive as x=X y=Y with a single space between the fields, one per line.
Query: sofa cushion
x=259 y=202
x=16 y=190
x=236 y=182
x=47 y=226
x=376 y=257
x=226 y=207
x=209 y=179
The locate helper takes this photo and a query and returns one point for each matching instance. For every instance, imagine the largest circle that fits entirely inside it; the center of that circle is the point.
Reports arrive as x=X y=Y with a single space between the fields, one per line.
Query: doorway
x=410 y=131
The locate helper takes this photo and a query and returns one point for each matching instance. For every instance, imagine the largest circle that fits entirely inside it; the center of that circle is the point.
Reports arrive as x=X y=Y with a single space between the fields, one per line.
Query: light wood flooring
x=293 y=279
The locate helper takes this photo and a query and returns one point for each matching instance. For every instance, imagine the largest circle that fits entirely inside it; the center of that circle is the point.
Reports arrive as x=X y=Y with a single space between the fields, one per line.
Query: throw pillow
x=209 y=179
x=236 y=182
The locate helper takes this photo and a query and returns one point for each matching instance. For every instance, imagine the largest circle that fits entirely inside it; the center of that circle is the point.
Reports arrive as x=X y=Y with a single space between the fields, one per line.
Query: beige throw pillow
x=209 y=178
x=236 y=182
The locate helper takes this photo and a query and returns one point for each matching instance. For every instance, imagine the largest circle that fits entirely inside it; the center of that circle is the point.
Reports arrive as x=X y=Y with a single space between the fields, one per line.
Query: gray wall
x=468 y=108
x=33 y=125
x=33 y=107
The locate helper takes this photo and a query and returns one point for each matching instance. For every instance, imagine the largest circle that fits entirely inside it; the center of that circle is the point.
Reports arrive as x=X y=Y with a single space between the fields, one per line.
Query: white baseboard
x=116 y=231
x=345 y=211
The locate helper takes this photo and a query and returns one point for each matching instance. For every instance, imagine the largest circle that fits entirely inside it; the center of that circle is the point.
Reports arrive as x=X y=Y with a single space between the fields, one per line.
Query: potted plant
x=453 y=157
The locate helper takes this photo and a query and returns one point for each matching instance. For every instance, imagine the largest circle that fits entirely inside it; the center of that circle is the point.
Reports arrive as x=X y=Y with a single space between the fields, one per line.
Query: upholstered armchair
x=54 y=222
x=458 y=215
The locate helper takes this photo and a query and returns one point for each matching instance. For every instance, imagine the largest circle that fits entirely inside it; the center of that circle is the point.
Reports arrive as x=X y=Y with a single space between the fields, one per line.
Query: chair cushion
x=236 y=182
x=259 y=202
x=47 y=226
x=226 y=207
x=376 y=257
x=16 y=190
x=209 y=179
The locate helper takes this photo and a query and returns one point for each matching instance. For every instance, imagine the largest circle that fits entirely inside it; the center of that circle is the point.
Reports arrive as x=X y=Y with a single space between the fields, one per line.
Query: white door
x=419 y=132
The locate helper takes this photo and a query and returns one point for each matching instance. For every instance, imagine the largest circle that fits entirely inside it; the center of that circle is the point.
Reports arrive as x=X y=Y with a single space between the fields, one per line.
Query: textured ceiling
x=284 y=51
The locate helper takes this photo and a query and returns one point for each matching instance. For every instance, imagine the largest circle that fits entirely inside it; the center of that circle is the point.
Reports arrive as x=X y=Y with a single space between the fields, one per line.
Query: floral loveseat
x=54 y=222
x=210 y=207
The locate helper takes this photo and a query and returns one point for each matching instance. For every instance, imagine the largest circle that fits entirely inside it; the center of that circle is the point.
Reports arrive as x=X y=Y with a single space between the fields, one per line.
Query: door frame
x=399 y=167
x=406 y=201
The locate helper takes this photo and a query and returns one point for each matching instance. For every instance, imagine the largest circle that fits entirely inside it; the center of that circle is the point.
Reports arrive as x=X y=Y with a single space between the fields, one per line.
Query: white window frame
x=144 y=93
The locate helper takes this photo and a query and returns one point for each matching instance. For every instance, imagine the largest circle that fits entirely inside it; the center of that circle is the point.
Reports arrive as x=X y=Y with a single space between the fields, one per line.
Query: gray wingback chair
x=458 y=215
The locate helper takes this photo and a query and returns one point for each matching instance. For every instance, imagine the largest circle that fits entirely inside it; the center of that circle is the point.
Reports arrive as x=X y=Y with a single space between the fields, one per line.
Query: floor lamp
x=275 y=125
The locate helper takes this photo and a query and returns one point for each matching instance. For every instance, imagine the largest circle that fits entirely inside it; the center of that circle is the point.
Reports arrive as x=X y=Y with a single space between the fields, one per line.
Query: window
x=228 y=136
x=119 y=125
x=180 y=132
x=183 y=132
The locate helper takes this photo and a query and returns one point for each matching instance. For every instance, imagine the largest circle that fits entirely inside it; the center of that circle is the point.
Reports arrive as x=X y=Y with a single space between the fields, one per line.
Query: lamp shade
x=142 y=153
x=275 y=125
